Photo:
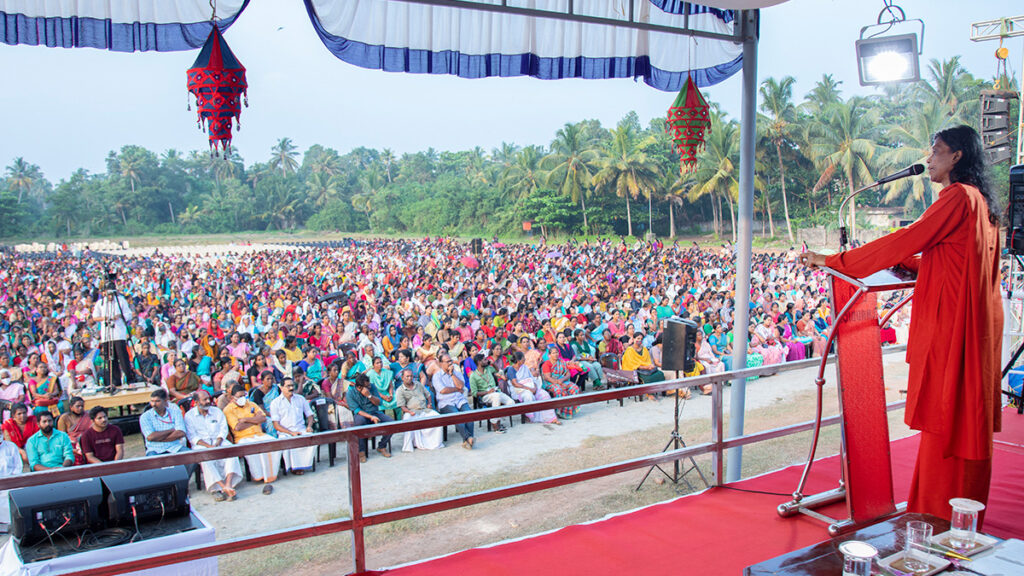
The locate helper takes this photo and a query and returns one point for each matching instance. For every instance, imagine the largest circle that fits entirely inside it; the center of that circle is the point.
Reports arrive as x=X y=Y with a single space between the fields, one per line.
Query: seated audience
x=207 y=427
x=483 y=385
x=101 y=442
x=20 y=427
x=364 y=402
x=412 y=399
x=48 y=448
x=163 y=427
x=245 y=420
x=450 y=388
x=291 y=415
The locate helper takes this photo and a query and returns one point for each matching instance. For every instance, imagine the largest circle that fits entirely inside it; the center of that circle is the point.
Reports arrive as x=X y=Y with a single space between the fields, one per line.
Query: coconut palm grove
x=589 y=179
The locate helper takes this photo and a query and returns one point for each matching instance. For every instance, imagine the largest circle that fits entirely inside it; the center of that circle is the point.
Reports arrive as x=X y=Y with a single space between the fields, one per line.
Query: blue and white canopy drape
x=404 y=37
x=118 y=25
x=398 y=36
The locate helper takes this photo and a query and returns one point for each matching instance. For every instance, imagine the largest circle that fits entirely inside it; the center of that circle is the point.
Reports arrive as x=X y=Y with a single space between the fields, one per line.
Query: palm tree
x=22 y=176
x=777 y=104
x=716 y=175
x=913 y=139
x=387 y=159
x=322 y=188
x=824 y=94
x=627 y=171
x=525 y=175
x=371 y=181
x=952 y=87
x=844 y=142
x=283 y=155
x=571 y=164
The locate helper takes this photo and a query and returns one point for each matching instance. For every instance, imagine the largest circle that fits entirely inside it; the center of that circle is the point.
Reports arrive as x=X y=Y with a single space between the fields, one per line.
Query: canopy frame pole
x=749 y=21
x=570 y=16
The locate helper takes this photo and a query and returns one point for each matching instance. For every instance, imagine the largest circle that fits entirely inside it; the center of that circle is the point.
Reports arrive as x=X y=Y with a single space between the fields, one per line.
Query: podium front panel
x=867 y=468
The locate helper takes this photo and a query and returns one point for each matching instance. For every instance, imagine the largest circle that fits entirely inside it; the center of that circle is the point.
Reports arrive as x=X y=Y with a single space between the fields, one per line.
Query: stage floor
x=721 y=530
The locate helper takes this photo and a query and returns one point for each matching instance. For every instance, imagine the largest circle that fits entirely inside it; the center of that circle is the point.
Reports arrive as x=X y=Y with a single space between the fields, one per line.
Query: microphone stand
x=844 y=240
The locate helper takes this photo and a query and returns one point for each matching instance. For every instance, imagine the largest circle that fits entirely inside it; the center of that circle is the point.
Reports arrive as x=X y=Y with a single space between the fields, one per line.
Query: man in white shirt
x=207 y=427
x=113 y=313
x=291 y=416
x=10 y=465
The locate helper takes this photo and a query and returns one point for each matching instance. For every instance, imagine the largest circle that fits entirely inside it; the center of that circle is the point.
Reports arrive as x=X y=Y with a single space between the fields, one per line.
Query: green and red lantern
x=688 y=119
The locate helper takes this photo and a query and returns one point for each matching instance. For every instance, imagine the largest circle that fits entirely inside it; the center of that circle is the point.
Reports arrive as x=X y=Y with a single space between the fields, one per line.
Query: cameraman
x=113 y=313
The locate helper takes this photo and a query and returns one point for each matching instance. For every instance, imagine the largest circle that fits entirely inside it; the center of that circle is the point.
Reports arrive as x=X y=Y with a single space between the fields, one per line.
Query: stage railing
x=359 y=520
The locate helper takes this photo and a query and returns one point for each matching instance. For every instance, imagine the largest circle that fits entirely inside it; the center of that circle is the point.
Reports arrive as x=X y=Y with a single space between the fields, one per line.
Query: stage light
x=889 y=59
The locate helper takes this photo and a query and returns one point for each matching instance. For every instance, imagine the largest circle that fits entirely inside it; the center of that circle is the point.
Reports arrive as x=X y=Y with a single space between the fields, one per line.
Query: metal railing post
x=355 y=500
x=717 y=434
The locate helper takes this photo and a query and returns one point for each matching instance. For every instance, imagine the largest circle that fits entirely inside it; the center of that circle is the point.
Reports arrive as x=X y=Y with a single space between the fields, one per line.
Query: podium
x=866 y=482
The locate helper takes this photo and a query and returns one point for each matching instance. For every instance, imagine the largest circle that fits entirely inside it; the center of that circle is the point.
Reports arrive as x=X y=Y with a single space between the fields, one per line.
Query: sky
x=63 y=109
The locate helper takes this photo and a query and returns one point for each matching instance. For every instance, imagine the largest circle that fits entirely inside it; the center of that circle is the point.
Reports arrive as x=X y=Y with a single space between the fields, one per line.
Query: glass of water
x=963 y=525
x=857 y=557
x=915 y=557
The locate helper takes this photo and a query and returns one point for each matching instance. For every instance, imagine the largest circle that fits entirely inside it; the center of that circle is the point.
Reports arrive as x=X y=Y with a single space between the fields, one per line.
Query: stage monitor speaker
x=1015 y=212
x=679 y=345
x=63 y=507
x=152 y=493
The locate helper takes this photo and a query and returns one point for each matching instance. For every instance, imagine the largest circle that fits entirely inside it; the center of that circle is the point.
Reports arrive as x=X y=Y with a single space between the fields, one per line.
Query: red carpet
x=720 y=531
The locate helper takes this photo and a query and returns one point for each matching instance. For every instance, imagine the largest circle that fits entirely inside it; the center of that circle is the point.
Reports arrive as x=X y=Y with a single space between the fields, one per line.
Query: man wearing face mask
x=48 y=448
x=245 y=419
x=207 y=427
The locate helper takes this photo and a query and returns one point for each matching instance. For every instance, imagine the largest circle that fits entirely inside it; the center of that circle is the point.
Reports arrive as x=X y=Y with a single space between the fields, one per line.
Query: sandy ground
x=424 y=475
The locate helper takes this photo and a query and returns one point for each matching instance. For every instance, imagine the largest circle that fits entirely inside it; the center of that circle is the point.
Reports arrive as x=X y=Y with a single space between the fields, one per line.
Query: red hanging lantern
x=217 y=80
x=688 y=119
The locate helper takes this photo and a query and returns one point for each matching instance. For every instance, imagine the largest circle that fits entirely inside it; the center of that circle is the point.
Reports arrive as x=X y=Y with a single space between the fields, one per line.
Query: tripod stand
x=675 y=442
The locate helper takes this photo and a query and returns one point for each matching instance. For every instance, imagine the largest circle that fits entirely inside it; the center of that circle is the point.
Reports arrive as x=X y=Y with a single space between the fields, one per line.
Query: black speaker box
x=64 y=506
x=1015 y=211
x=679 y=345
x=152 y=493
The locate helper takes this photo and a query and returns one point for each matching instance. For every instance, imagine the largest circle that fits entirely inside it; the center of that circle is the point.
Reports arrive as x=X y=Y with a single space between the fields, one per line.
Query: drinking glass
x=963 y=526
x=915 y=556
x=857 y=557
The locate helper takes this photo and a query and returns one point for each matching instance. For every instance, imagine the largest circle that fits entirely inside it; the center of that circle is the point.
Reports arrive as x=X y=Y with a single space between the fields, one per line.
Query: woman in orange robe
x=953 y=390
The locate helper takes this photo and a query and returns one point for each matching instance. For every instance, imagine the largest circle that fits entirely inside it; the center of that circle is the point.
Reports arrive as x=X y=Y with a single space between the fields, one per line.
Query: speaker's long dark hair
x=970 y=169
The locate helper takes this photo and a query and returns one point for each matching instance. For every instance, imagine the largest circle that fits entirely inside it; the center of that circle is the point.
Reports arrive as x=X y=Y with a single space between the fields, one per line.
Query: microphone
x=908 y=171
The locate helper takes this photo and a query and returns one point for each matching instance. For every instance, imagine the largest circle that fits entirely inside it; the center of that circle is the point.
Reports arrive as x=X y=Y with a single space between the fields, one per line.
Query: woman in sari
x=19 y=428
x=238 y=349
x=74 y=423
x=11 y=390
x=525 y=386
x=383 y=380
x=44 y=392
x=555 y=373
x=795 y=348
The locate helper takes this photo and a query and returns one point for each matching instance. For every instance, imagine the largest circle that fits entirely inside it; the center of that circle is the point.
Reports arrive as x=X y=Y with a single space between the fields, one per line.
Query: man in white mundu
x=413 y=401
x=207 y=427
x=291 y=416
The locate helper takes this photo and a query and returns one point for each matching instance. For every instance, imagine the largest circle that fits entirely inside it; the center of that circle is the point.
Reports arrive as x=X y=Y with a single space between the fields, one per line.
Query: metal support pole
x=741 y=315
x=355 y=500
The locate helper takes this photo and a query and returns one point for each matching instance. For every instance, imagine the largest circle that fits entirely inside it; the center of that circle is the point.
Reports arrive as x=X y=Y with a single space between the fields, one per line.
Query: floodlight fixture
x=889 y=59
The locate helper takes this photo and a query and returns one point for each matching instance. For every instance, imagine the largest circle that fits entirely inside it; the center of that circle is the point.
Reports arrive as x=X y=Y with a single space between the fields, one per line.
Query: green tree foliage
x=811 y=150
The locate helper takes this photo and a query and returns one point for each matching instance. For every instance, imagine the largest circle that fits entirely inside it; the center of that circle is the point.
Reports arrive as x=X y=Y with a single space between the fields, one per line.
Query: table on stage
x=125 y=397
x=825 y=557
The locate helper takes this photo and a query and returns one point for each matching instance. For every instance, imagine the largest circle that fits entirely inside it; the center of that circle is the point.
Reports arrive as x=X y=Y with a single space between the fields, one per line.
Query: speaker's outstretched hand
x=812 y=259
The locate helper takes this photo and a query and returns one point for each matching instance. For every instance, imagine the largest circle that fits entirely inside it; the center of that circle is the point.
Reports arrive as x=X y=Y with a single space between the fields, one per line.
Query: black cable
x=755 y=491
x=106 y=538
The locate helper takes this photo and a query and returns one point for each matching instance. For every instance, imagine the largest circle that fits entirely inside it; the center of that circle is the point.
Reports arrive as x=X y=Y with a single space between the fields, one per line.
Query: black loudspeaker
x=996 y=132
x=1015 y=212
x=679 y=345
x=477 y=245
x=62 y=506
x=148 y=494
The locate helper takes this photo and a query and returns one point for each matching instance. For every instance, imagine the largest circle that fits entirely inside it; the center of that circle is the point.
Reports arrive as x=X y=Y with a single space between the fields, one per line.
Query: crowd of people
x=251 y=345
